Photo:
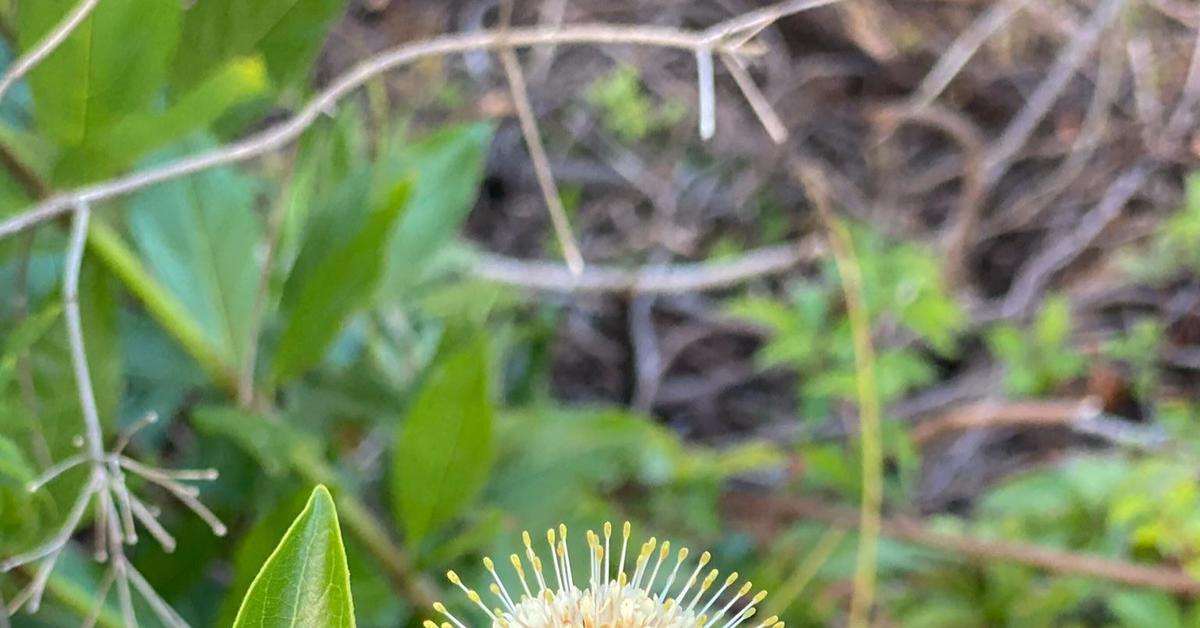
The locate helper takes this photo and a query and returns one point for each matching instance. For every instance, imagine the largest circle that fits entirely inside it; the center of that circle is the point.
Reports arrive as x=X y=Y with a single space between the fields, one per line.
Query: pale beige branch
x=275 y=137
x=541 y=162
x=49 y=43
x=668 y=279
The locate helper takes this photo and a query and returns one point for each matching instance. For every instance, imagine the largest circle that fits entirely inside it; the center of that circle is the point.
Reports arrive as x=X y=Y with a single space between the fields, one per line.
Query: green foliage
x=98 y=97
x=811 y=334
x=287 y=33
x=443 y=448
x=1038 y=360
x=627 y=110
x=1172 y=248
x=305 y=581
x=348 y=261
x=437 y=211
x=1139 y=349
x=200 y=236
x=102 y=72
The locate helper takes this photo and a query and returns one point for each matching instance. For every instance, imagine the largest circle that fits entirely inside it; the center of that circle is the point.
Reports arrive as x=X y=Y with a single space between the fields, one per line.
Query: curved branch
x=47 y=45
x=285 y=132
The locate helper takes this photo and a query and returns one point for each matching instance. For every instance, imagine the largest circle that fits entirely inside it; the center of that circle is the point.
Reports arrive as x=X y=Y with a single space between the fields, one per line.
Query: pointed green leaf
x=443 y=448
x=447 y=167
x=110 y=67
x=333 y=276
x=132 y=138
x=305 y=582
x=288 y=34
x=199 y=234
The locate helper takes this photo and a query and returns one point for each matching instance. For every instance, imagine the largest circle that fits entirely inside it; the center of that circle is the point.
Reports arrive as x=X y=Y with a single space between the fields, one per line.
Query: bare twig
x=963 y=226
x=787 y=509
x=707 y=93
x=673 y=279
x=758 y=101
x=1140 y=55
x=1039 y=270
x=541 y=163
x=1184 y=115
x=116 y=507
x=94 y=439
x=1095 y=122
x=987 y=414
x=287 y=131
x=964 y=47
x=747 y=25
x=52 y=40
x=999 y=158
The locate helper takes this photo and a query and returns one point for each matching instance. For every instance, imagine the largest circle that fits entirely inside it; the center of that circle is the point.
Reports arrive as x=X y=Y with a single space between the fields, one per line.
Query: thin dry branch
x=783 y=510
x=964 y=47
x=758 y=101
x=1041 y=269
x=47 y=45
x=717 y=38
x=987 y=415
x=541 y=162
x=671 y=279
x=1000 y=156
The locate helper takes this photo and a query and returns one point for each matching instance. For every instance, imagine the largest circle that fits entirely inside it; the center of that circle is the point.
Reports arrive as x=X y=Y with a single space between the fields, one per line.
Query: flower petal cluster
x=658 y=593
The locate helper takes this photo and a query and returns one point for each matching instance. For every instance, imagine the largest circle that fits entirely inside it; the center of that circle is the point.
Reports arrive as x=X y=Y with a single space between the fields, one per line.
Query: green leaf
x=443 y=449
x=199 y=234
x=1053 y=323
x=331 y=280
x=288 y=34
x=305 y=581
x=1145 y=608
x=447 y=166
x=109 y=68
x=254 y=547
x=23 y=336
x=270 y=441
x=128 y=140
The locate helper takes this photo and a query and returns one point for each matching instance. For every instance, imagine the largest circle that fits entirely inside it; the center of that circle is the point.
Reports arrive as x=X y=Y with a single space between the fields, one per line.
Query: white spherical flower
x=656 y=594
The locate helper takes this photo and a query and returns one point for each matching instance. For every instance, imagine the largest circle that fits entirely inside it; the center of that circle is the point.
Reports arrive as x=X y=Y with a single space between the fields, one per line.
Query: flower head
x=658 y=593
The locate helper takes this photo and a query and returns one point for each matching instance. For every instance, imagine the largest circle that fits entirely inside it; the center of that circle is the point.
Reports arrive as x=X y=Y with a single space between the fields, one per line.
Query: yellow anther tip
x=429 y=624
x=731 y=579
x=627 y=528
x=488 y=564
x=473 y=596
x=439 y=607
x=607 y=528
x=683 y=554
x=452 y=577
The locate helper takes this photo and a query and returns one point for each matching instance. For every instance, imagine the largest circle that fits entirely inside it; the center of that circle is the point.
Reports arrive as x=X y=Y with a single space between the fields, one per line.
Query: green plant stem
x=822 y=551
x=111 y=249
x=842 y=247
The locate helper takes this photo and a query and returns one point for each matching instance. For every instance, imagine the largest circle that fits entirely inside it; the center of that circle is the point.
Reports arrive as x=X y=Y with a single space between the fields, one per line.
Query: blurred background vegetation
x=382 y=307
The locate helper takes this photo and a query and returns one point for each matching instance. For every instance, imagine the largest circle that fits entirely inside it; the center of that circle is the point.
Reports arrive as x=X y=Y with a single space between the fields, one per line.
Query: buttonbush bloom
x=659 y=593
